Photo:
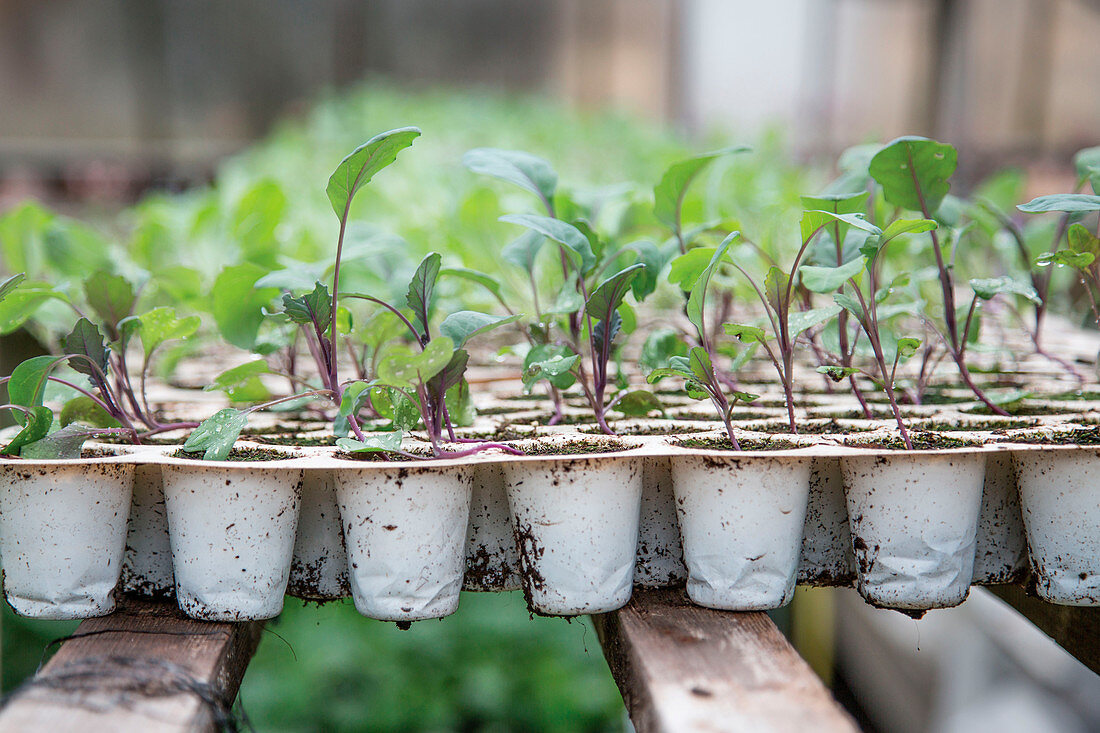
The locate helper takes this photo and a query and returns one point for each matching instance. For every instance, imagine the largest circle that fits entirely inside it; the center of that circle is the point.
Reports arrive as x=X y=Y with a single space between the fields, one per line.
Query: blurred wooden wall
x=184 y=81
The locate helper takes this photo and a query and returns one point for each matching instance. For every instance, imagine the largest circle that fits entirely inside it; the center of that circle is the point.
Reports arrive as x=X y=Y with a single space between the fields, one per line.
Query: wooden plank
x=685 y=668
x=1076 y=629
x=144 y=668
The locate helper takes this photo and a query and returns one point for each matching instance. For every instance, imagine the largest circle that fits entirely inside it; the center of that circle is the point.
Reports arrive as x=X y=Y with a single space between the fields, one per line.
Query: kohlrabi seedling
x=776 y=295
x=855 y=287
x=697 y=368
x=573 y=338
x=425 y=374
x=1081 y=246
x=314 y=313
x=112 y=403
x=915 y=173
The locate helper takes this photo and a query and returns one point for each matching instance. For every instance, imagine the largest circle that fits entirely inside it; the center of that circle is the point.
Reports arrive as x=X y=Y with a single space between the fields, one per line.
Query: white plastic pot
x=319 y=567
x=147 y=567
x=232 y=528
x=660 y=557
x=913 y=517
x=741 y=516
x=1061 y=509
x=576 y=525
x=826 y=541
x=1001 y=548
x=62 y=534
x=491 y=560
x=405 y=528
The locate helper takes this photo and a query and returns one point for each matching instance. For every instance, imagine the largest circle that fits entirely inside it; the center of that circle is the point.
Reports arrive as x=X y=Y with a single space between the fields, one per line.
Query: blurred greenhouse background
x=172 y=104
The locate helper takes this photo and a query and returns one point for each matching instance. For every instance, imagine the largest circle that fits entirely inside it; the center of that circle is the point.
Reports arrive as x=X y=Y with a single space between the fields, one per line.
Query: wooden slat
x=1076 y=629
x=685 y=668
x=144 y=668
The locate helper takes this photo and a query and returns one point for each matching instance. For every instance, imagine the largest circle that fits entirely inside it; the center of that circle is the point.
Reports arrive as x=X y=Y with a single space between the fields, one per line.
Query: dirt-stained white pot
x=913 y=517
x=660 y=558
x=576 y=524
x=405 y=528
x=232 y=527
x=147 y=567
x=492 y=563
x=1001 y=548
x=826 y=541
x=741 y=516
x=1061 y=510
x=319 y=567
x=62 y=535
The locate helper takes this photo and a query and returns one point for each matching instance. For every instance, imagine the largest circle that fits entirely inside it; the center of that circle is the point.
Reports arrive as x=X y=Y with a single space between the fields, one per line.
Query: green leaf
x=812 y=221
x=837 y=373
x=700 y=365
x=828 y=279
x=10 y=284
x=1070 y=203
x=20 y=303
x=160 y=325
x=489 y=283
x=850 y=304
x=360 y=166
x=65 y=443
x=572 y=241
x=86 y=340
x=421 y=289
x=238 y=306
x=242 y=383
x=744 y=333
x=743 y=396
x=610 y=293
x=1087 y=163
x=355 y=397
x=906 y=226
x=912 y=169
x=111 y=298
x=28 y=381
x=312 y=308
x=1077 y=260
x=86 y=410
x=401 y=367
x=668 y=194
x=659 y=346
x=523 y=250
x=374 y=443
x=525 y=170
x=452 y=374
x=638 y=403
x=461 y=326
x=775 y=289
x=686 y=268
x=799 y=321
x=555 y=366
x=395 y=406
x=460 y=404
x=986 y=288
x=36 y=425
x=906 y=347
x=1082 y=240
x=216 y=434
x=697 y=300
x=567 y=301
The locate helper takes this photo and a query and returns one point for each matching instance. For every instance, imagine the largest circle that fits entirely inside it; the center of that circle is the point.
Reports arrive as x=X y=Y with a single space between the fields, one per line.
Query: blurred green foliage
x=488 y=667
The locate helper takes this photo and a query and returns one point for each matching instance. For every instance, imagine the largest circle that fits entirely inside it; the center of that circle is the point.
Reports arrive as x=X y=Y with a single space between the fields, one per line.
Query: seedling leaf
x=914 y=170
x=1070 y=203
x=376 y=443
x=216 y=434
x=86 y=340
x=360 y=166
x=525 y=170
x=576 y=246
x=668 y=194
x=461 y=326
x=421 y=288
x=36 y=425
x=987 y=288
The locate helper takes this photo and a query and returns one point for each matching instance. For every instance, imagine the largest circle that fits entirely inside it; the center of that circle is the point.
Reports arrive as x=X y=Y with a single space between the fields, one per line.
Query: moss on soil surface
x=1024 y=410
x=572 y=448
x=1079 y=436
x=746 y=444
x=922 y=440
x=243 y=455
